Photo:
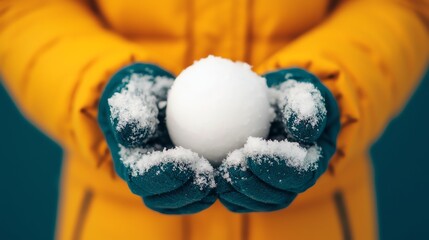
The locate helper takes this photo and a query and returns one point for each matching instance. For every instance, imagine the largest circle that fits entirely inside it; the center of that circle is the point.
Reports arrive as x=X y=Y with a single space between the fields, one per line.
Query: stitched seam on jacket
x=186 y=228
x=189 y=54
x=343 y=216
x=245 y=227
x=83 y=213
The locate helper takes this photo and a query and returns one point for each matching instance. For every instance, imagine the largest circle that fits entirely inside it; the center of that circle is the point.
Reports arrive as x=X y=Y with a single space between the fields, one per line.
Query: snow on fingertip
x=296 y=156
x=300 y=99
x=215 y=105
x=140 y=160
x=136 y=103
x=236 y=159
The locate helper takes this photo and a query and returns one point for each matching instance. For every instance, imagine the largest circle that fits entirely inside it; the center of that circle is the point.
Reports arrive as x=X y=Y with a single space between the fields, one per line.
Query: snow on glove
x=171 y=180
x=266 y=175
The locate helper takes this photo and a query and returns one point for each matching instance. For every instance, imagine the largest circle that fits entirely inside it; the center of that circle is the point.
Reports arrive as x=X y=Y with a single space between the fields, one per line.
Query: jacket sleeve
x=55 y=58
x=371 y=54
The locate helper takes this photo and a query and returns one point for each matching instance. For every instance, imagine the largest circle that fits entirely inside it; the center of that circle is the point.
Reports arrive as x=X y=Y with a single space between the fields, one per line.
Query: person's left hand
x=267 y=175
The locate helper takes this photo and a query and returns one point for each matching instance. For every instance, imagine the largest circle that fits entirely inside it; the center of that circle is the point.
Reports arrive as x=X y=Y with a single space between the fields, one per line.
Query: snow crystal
x=300 y=99
x=136 y=104
x=215 y=105
x=140 y=160
x=296 y=156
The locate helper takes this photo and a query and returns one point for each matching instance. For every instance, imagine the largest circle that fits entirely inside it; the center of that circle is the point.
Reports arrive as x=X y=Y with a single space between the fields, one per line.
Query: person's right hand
x=132 y=117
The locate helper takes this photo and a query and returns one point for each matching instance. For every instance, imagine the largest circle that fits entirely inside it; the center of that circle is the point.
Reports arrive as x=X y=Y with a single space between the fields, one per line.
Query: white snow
x=137 y=102
x=303 y=159
x=298 y=157
x=140 y=160
x=215 y=105
x=300 y=98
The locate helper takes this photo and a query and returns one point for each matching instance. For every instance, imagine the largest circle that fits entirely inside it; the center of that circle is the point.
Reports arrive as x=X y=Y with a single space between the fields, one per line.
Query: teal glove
x=132 y=117
x=266 y=175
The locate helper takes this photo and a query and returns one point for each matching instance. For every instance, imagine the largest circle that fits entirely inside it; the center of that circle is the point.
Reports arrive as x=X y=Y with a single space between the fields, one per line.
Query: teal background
x=30 y=168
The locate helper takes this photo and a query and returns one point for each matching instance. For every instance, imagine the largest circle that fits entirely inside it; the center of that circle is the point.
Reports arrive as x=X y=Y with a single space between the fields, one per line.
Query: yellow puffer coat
x=56 y=56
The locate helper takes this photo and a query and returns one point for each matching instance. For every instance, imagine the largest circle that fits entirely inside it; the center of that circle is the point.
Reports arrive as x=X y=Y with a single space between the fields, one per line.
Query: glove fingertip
x=129 y=135
x=303 y=109
x=305 y=131
x=275 y=172
x=233 y=207
x=160 y=179
x=129 y=108
x=185 y=195
x=192 y=208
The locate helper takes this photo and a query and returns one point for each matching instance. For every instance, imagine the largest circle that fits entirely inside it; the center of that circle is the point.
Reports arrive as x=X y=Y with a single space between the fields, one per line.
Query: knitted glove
x=266 y=175
x=132 y=117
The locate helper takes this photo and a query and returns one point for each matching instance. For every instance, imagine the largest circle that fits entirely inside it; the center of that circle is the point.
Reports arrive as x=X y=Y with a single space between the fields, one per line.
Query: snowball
x=140 y=160
x=136 y=104
x=215 y=105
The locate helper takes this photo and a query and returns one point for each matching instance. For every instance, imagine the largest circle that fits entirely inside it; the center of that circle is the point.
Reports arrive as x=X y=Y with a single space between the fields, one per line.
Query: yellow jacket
x=56 y=56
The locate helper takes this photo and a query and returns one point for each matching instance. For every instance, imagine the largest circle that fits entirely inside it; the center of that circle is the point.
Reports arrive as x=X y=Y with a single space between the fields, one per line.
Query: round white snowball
x=215 y=105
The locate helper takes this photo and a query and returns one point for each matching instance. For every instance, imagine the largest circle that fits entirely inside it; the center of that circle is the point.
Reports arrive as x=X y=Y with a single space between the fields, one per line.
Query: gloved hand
x=132 y=117
x=266 y=175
